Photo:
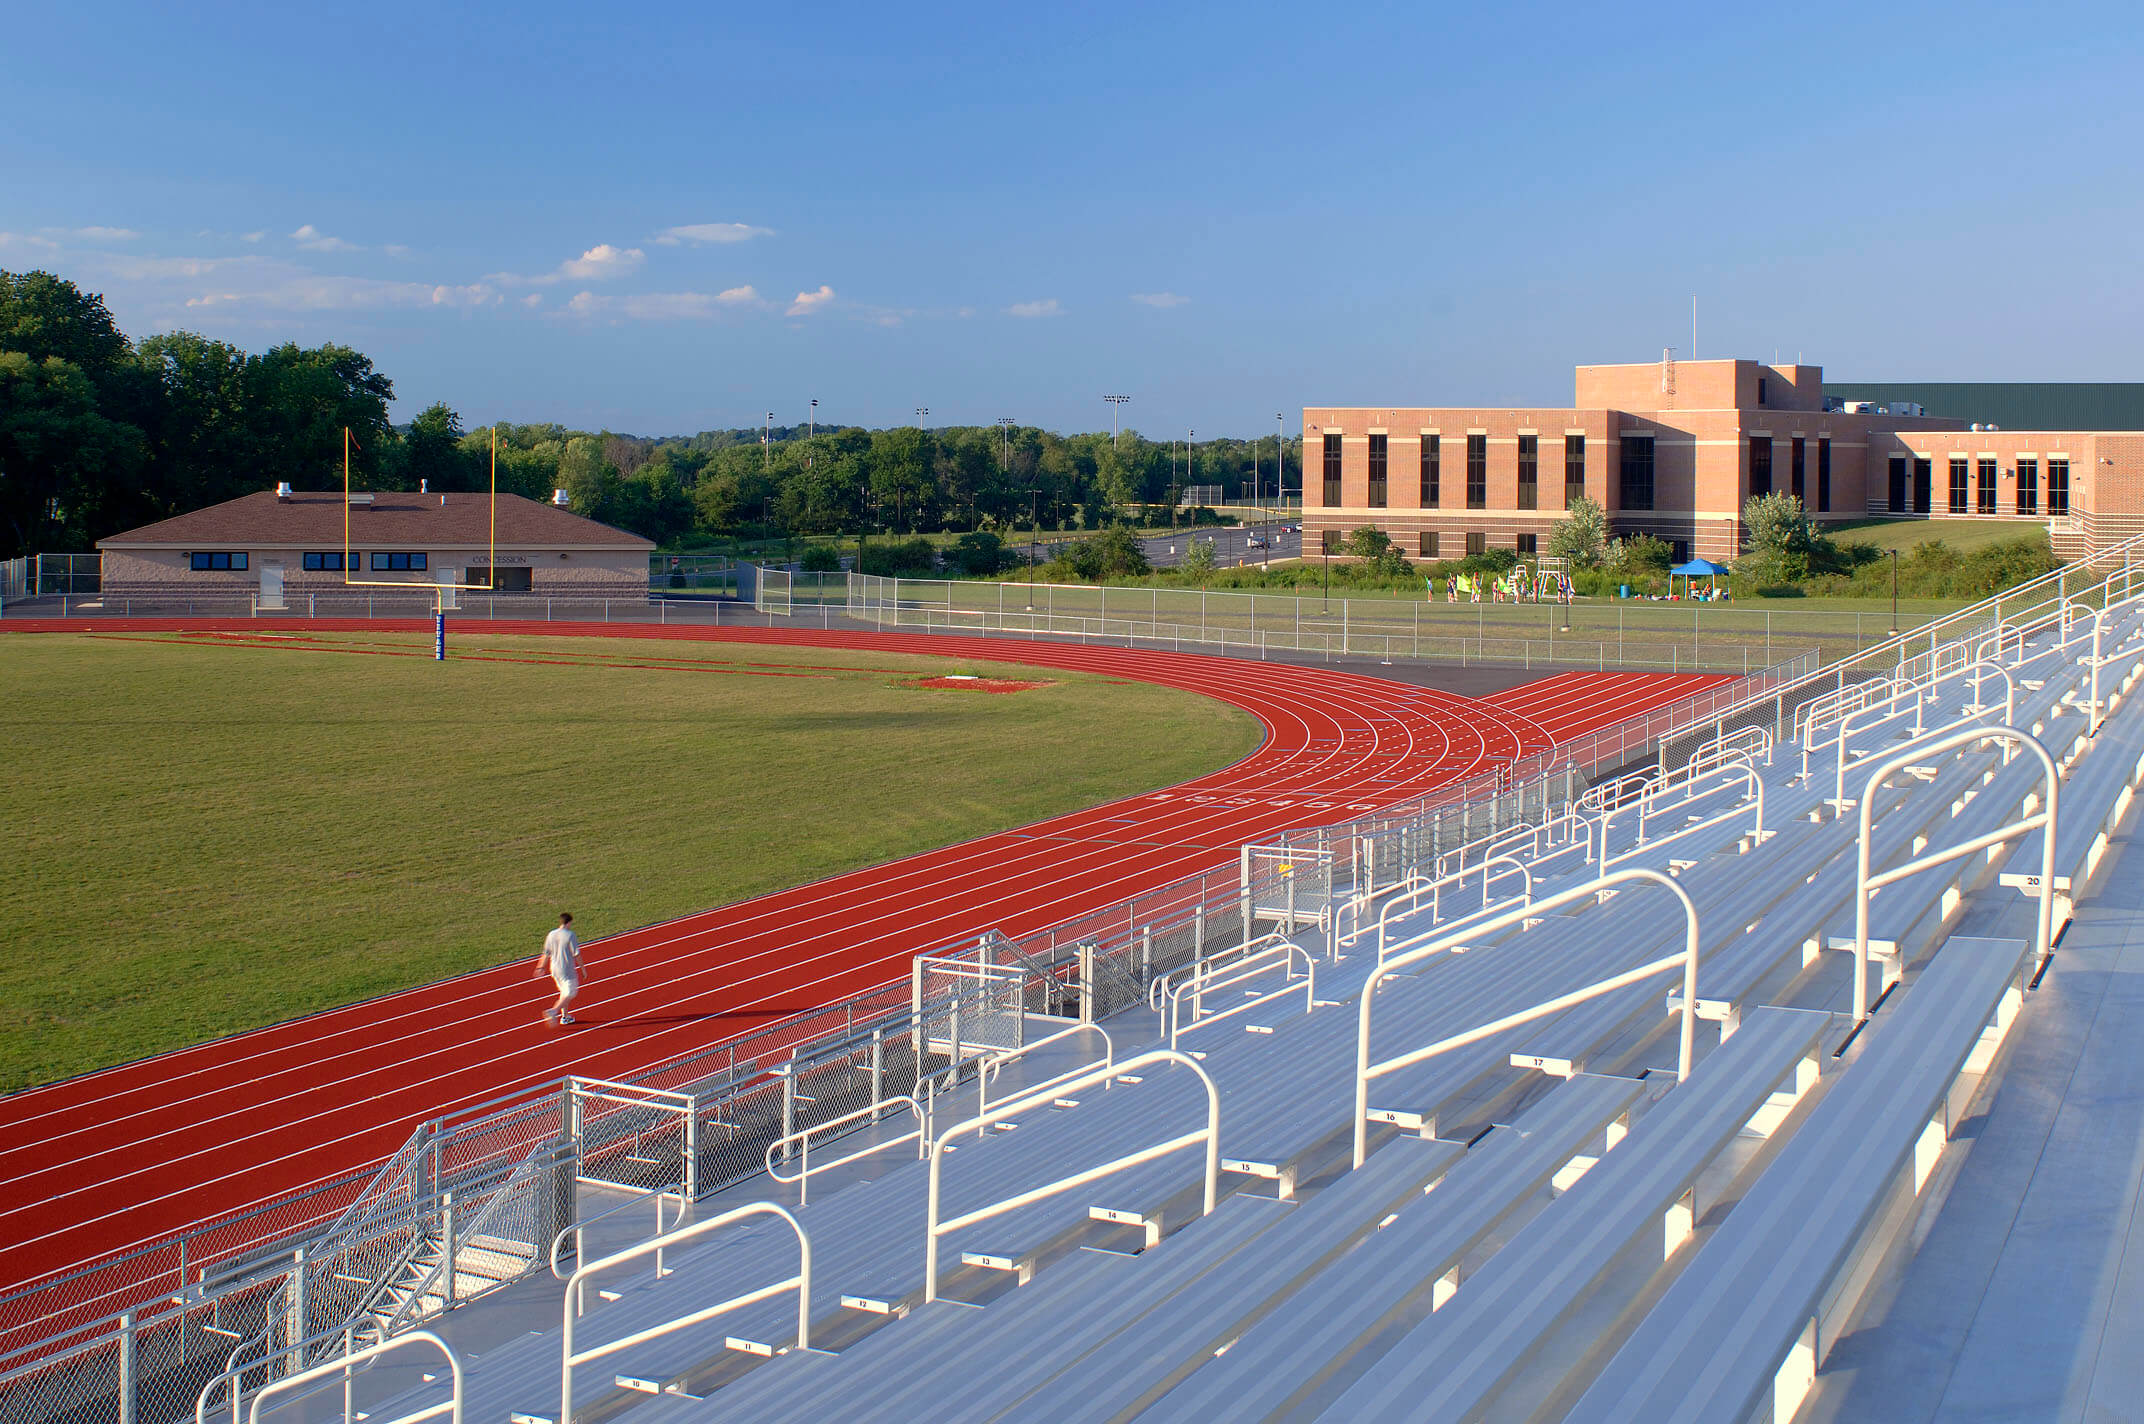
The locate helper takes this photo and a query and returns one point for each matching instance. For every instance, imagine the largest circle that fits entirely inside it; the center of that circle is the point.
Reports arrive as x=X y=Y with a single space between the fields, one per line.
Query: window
x=1760 y=464
x=1332 y=540
x=2058 y=488
x=1960 y=482
x=1429 y=546
x=2028 y=487
x=1760 y=390
x=1377 y=472
x=1637 y=472
x=1529 y=543
x=1823 y=475
x=327 y=563
x=1477 y=542
x=1795 y=470
x=1897 y=501
x=1477 y=472
x=1529 y=472
x=1431 y=456
x=398 y=563
x=205 y=562
x=1679 y=550
x=1574 y=469
x=1985 y=504
x=1332 y=471
x=1923 y=482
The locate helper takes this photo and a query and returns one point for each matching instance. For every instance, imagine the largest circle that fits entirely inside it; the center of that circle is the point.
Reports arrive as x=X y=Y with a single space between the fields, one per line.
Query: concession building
x=1673 y=449
x=282 y=544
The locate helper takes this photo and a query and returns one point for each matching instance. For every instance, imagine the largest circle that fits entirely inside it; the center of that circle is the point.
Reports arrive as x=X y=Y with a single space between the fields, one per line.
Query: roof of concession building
x=311 y=519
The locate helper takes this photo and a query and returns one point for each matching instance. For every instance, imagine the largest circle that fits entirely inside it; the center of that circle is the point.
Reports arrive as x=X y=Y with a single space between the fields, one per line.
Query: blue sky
x=660 y=218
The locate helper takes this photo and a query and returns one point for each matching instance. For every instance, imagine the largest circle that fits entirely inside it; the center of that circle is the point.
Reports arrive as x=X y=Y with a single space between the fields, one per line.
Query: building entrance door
x=1923 y=478
x=271 y=584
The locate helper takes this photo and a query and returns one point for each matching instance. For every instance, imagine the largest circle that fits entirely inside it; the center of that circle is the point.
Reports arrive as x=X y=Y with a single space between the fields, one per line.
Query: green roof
x=2014 y=405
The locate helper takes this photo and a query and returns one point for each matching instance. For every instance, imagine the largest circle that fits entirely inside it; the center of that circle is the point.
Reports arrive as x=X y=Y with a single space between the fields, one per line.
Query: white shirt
x=565 y=954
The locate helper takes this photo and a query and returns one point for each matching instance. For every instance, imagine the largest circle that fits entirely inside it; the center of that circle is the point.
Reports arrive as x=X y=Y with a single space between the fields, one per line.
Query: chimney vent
x=424 y=486
x=560 y=498
x=282 y=490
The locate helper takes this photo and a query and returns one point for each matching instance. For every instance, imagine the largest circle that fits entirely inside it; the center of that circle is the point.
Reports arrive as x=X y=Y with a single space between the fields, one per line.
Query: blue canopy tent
x=1696 y=569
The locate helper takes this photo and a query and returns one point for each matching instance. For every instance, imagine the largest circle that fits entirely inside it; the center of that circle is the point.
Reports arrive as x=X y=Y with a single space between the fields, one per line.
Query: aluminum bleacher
x=1613 y=1117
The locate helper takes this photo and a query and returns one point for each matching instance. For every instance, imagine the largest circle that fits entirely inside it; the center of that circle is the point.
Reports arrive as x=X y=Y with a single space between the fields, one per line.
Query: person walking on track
x=561 y=959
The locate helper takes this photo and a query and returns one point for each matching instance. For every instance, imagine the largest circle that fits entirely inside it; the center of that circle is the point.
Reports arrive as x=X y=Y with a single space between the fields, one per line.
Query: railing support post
x=878 y=1070
x=129 y=1372
x=447 y=1250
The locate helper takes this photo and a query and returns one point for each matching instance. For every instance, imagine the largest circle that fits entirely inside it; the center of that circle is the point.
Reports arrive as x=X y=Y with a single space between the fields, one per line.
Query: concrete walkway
x=2025 y=1300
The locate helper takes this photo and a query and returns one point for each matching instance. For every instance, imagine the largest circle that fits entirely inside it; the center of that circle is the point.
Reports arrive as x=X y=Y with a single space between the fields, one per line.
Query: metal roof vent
x=282 y=489
x=424 y=486
x=560 y=498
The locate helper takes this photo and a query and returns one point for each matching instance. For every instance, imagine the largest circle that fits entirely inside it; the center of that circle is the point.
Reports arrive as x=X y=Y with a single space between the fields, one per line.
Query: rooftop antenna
x=1667 y=370
x=1693 y=326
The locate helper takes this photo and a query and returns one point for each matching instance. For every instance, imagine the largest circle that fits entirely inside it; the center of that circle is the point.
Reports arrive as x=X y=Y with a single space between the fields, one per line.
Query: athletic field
x=211 y=831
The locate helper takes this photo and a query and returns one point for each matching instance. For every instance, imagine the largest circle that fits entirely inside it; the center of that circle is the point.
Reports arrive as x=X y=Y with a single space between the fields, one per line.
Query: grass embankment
x=204 y=836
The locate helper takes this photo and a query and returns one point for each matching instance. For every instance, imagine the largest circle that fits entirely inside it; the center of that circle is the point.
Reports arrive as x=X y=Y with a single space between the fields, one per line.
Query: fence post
x=789 y=1102
x=1146 y=955
x=878 y=1070
x=691 y=1164
x=1086 y=981
x=1198 y=931
x=446 y=1245
x=129 y=1371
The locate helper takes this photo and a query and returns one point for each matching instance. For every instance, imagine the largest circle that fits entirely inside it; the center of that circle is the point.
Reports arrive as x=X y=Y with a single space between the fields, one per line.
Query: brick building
x=281 y=544
x=1673 y=448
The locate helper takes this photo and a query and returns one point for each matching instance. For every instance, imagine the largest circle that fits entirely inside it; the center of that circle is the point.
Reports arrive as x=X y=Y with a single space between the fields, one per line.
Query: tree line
x=100 y=433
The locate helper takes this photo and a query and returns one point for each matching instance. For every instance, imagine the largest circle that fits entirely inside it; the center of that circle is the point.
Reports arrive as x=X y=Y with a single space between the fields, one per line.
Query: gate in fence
x=771 y=592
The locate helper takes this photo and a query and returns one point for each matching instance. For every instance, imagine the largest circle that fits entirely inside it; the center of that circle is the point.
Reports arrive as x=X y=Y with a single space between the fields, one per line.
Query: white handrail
x=802 y=1136
x=1980 y=670
x=1753 y=796
x=452 y=1408
x=660 y=1195
x=934 y=1229
x=1866 y=884
x=1157 y=993
x=1281 y=956
x=1365 y=1070
x=1435 y=891
x=1847 y=729
x=994 y=1062
x=800 y=1283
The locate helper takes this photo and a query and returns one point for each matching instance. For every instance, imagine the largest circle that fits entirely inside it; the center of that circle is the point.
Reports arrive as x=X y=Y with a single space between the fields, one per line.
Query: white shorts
x=567 y=985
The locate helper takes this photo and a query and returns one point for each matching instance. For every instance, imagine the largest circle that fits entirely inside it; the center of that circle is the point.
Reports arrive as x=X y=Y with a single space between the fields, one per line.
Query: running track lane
x=135 y=1153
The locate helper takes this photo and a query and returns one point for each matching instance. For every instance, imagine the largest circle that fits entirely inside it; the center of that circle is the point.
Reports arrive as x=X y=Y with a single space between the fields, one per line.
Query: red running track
x=138 y=1152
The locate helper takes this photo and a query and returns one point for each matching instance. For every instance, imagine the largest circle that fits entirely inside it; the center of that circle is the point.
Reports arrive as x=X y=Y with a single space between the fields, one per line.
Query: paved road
x=1231 y=546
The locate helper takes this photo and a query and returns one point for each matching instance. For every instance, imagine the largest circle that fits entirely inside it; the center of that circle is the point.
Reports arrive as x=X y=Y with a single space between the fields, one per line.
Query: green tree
x=1199 y=561
x=978 y=554
x=61 y=463
x=1780 y=538
x=432 y=453
x=1376 y=551
x=1582 y=534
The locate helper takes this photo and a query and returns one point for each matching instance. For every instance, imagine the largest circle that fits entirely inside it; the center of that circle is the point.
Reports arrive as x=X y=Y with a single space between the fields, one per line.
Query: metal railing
x=1867 y=882
x=346 y=1366
x=1366 y=1070
x=848 y=1122
x=935 y=1229
x=800 y=1283
x=1280 y=955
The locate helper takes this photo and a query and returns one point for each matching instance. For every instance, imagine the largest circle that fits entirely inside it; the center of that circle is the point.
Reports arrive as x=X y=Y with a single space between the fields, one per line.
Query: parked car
x=1254 y=542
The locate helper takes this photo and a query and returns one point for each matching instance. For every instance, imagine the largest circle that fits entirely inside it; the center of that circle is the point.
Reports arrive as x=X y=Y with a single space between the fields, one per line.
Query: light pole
x=1894 y=593
x=1034 y=529
x=921 y=411
x=766 y=442
x=1004 y=424
x=1115 y=402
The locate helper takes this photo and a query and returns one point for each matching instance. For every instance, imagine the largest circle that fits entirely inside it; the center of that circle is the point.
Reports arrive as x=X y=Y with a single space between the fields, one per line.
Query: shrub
x=821 y=559
x=1582 y=535
x=1779 y=537
x=980 y=554
x=900 y=558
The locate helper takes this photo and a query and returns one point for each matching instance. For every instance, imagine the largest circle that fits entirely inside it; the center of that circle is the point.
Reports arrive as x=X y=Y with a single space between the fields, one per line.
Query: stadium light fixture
x=1116 y=404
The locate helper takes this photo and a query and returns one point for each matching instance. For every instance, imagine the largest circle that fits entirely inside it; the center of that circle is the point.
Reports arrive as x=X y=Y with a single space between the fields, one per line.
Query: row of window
x=320 y=563
x=1977 y=484
x=1574 y=471
x=1432 y=544
x=1760 y=469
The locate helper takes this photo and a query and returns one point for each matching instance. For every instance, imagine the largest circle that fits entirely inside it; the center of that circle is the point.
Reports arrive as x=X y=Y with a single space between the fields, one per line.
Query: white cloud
x=533 y=299
x=98 y=234
x=395 y=249
x=24 y=239
x=312 y=239
x=1159 y=299
x=1046 y=307
x=662 y=306
x=809 y=302
x=600 y=263
x=255 y=236
x=698 y=233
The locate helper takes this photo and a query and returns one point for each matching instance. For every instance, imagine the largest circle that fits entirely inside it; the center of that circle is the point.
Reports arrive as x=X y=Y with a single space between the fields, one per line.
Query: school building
x=282 y=544
x=1673 y=448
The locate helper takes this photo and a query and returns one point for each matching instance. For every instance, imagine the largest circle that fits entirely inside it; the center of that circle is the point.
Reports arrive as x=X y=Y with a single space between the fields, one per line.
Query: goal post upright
x=439 y=590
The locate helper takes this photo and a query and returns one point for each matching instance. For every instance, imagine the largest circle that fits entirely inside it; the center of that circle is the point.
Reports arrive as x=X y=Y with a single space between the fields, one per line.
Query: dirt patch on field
x=957 y=682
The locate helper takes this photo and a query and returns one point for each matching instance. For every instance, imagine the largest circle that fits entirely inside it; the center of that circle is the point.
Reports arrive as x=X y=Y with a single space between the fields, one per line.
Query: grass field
x=203 y=835
x=1904 y=534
